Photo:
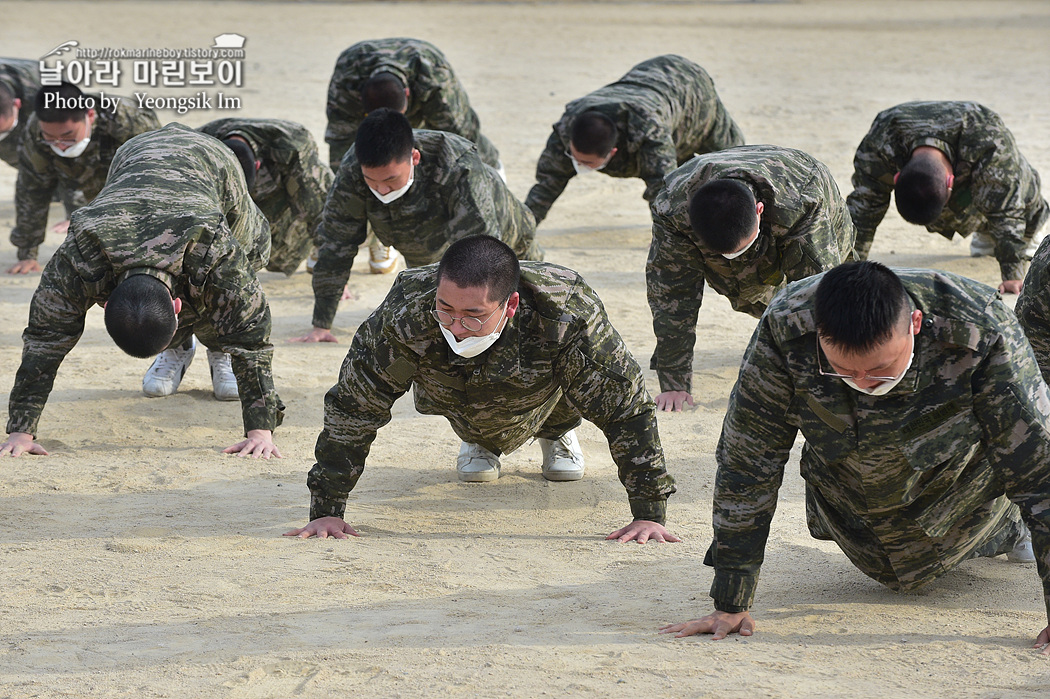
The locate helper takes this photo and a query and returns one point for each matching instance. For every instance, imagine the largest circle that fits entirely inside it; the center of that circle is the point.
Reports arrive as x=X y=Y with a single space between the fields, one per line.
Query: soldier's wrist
x=649 y=510
x=326 y=505
x=28 y=253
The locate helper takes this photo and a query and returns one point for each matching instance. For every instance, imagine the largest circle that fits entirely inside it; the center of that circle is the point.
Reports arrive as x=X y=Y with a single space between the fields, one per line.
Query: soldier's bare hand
x=324 y=527
x=25 y=267
x=258 y=445
x=1043 y=641
x=316 y=335
x=643 y=530
x=673 y=401
x=720 y=624
x=347 y=294
x=61 y=227
x=1011 y=286
x=19 y=443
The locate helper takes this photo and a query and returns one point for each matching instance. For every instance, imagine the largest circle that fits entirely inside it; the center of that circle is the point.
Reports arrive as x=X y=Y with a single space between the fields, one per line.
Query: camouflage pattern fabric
x=1033 y=308
x=908 y=484
x=557 y=360
x=665 y=109
x=41 y=171
x=996 y=191
x=436 y=99
x=175 y=207
x=454 y=195
x=805 y=229
x=290 y=186
x=22 y=78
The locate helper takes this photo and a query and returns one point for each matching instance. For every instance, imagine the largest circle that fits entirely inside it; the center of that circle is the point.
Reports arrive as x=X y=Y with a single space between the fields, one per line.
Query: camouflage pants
x=292 y=240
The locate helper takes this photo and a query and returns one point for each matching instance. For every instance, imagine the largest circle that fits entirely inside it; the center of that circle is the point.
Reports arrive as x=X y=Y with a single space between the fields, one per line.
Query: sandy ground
x=138 y=561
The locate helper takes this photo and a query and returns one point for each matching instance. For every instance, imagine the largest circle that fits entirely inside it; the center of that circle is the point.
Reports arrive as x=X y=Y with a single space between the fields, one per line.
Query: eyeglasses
x=866 y=377
x=468 y=322
x=58 y=142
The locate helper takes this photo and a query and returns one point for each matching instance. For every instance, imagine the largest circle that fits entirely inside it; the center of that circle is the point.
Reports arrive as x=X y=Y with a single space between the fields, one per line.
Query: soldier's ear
x=416 y=156
x=258 y=164
x=512 y=304
x=895 y=178
x=176 y=303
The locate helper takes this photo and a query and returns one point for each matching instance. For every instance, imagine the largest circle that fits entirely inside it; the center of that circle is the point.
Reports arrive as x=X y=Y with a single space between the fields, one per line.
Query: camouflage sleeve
x=870 y=198
x=1033 y=310
x=344 y=113
x=674 y=284
x=238 y=312
x=471 y=204
x=56 y=321
x=755 y=444
x=377 y=370
x=344 y=227
x=553 y=172
x=1012 y=403
x=999 y=195
x=34 y=188
x=307 y=185
x=657 y=155
x=603 y=382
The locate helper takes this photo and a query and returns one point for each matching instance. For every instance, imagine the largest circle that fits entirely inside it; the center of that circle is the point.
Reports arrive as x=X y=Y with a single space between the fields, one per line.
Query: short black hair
x=722 y=212
x=7 y=99
x=481 y=261
x=383 y=90
x=385 y=136
x=859 y=306
x=921 y=191
x=66 y=103
x=245 y=156
x=593 y=133
x=140 y=317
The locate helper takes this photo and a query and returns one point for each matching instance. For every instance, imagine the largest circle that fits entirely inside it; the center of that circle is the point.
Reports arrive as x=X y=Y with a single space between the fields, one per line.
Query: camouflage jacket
x=436 y=98
x=40 y=170
x=1033 y=308
x=22 y=78
x=559 y=346
x=291 y=177
x=805 y=229
x=995 y=192
x=924 y=473
x=454 y=195
x=665 y=110
x=197 y=231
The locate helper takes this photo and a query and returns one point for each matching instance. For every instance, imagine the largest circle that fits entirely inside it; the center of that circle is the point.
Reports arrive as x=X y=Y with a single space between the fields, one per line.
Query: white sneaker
x=311 y=261
x=165 y=374
x=562 y=458
x=476 y=464
x=382 y=259
x=223 y=382
x=1037 y=240
x=1022 y=551
x=981 y=245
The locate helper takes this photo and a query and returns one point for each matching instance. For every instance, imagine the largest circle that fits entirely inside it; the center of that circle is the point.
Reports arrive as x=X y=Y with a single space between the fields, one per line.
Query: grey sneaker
x=223 y=382
x=1022 y=551
x=981 y=245
x=562 y=458
x=165 y=374
x=476 y=464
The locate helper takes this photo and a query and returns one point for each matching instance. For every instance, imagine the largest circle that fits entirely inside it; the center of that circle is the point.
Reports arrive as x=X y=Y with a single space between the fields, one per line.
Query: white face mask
x=473 y=346
x=886 y=386
x=14 y=126
x=75 y=149
x=738 y=253
x=582 y=169
x=396 y=194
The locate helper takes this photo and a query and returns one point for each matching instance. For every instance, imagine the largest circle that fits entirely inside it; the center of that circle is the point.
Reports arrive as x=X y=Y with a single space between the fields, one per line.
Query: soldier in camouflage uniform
x=19 y=81
x=802 y=229
x=41 y=170
x=290 y=186
x=549 y=356
x=436 y=99
x=175 y=208
x=991 y=189
x=927 y=428
x=452 y=195
x=664 y=111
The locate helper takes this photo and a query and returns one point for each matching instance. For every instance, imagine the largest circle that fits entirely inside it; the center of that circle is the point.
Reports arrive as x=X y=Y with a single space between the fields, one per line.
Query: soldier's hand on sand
x=324 y=527
x=316 y=335
x=259 y=444
x=1011 y=286
x=720 y=624
x=24 y=267
x=643 y=530
x=673 y=401
x=61 y=228
x=19 y=443
x=1043 y=641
